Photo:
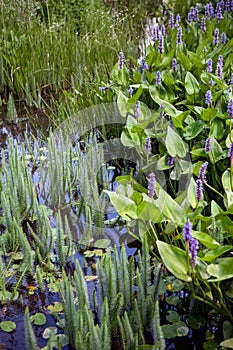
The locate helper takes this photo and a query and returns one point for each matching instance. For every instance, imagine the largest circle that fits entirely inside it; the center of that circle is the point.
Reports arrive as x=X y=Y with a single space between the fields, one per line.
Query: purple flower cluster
x=158 y=78
x=191 y=242
x=228 y=5
x=230 y=152
x=130 y=91
x=148 y=145
x=203 y=24
x=193 y=14
x=219 y=66
x=144 y=65
x=187 y=231
x=208 y=97
x=209 y=65
x=208 y=145
x=209 y=11
x=211 y=82
x=216 y=37
x=103 y=88
x=174 y=65
x=121 y=60
x=231 y=79
x=162 y=112
x=219 y=11
x=230 y=109
x=156 y=32
x=161 y=45
x=170 y=160
x=178 y=19
x=137 y=109
x=202 y=171
x=171 y=21
x=199 y=190
x=163 y=30
x=194 y=245
x=223 y=38
x=151 y=185
x=179 y=36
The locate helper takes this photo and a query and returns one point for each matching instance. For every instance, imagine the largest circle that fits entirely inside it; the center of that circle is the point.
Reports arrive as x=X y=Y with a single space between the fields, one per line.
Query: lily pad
x=7 y=326
x=102 y=243
x=39 y=319
x=57 y=307
x=49 y=332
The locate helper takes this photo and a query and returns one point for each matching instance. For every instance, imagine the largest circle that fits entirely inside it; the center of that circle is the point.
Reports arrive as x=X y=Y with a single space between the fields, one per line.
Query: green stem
x=213 y=189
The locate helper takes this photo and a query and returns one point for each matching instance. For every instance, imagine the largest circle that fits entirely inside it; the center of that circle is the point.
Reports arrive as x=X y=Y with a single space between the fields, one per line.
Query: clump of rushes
x=208 y=97
x=199 y=190
x=179 y=36
x=148 y=145
x=121 y=60
x=208 y=145
x=151 y=185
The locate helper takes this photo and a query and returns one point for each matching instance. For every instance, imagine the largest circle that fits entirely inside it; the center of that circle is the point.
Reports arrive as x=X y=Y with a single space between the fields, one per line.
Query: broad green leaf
x=169 y=208
x=228 y=343
x=191 y=84
x=184 y=60
x=215 y=209
x=192 y=130
x=147 y=210
x=208 y=114
x=175 y=260
x=216 y=152
x=205 y=239
x=123 y=205
x=102 y=243
x=49 y=332
x=191 y=195
x=174 y=143
x=168 y=107
x=217 y=129
x=7 y=326
x=173 y=316
x=177 y=329
x=39 y=319
x=215 y=253
x=123 y=105
x=222 y=271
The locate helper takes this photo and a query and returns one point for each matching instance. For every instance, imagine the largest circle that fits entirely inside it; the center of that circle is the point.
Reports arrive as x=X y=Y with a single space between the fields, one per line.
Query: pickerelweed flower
x=178 y=19
x=148 y=145
x=103 y=88
x=163 y=30
x=170 y=160
x=158 y=78
x=211 y=82
x=208 y=145
x=189 y=17
x=137 y=109
x=228 y=5
x=209 y=11
x=219 y=66
x=230 y=154
x=219 y=12
x=121 y=60
x=160 y=46
x=223 y=38
x=187 y=231
x=151 y=185
x=156 y=32
x=209 y=65
x=174 y=65
x=194 y=245
x=199 y=190
x=171 y=21
x=130 y=91
x=230 y=109
x=144 y=65
x=205 y=50
x=208 y=97
x=216 y=37
x=202 y=171
x=179 y=36
x=203 y=24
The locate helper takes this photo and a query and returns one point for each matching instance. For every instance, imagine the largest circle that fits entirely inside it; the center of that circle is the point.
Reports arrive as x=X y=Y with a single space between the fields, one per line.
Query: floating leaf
x=173 y=316
x=7 y=326
x=39 y=319
x=49 y=332
x=56 y=307
x=102 y=243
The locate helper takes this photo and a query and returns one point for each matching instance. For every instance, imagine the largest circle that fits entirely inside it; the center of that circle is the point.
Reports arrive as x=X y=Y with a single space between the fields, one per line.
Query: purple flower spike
x=228 y=5
x=137 y=109
x=205 y=50
x=231 y=79
x=151 y=185
x=187 y=231
x=216 y=37
x=230 y=109
x=230 y=153
x=211 y=82
x=219 y=66
x=199 y=190
x=178 y=20
x=208 y=97
x=174 y=65
x=148 y=146
x=130 y=91
x=158 y=78
x=171 y=21
x=144 y=65
x=179 y=36
x=209 y=65
x=163 y=30
x=160 y=46
x=170 y=160
x=121 y=60
x=194 y=245
x=156 y=33
x=207 y=145
x=202 y=172
x=219 y=12
x=203 y=24
x=223 y=38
